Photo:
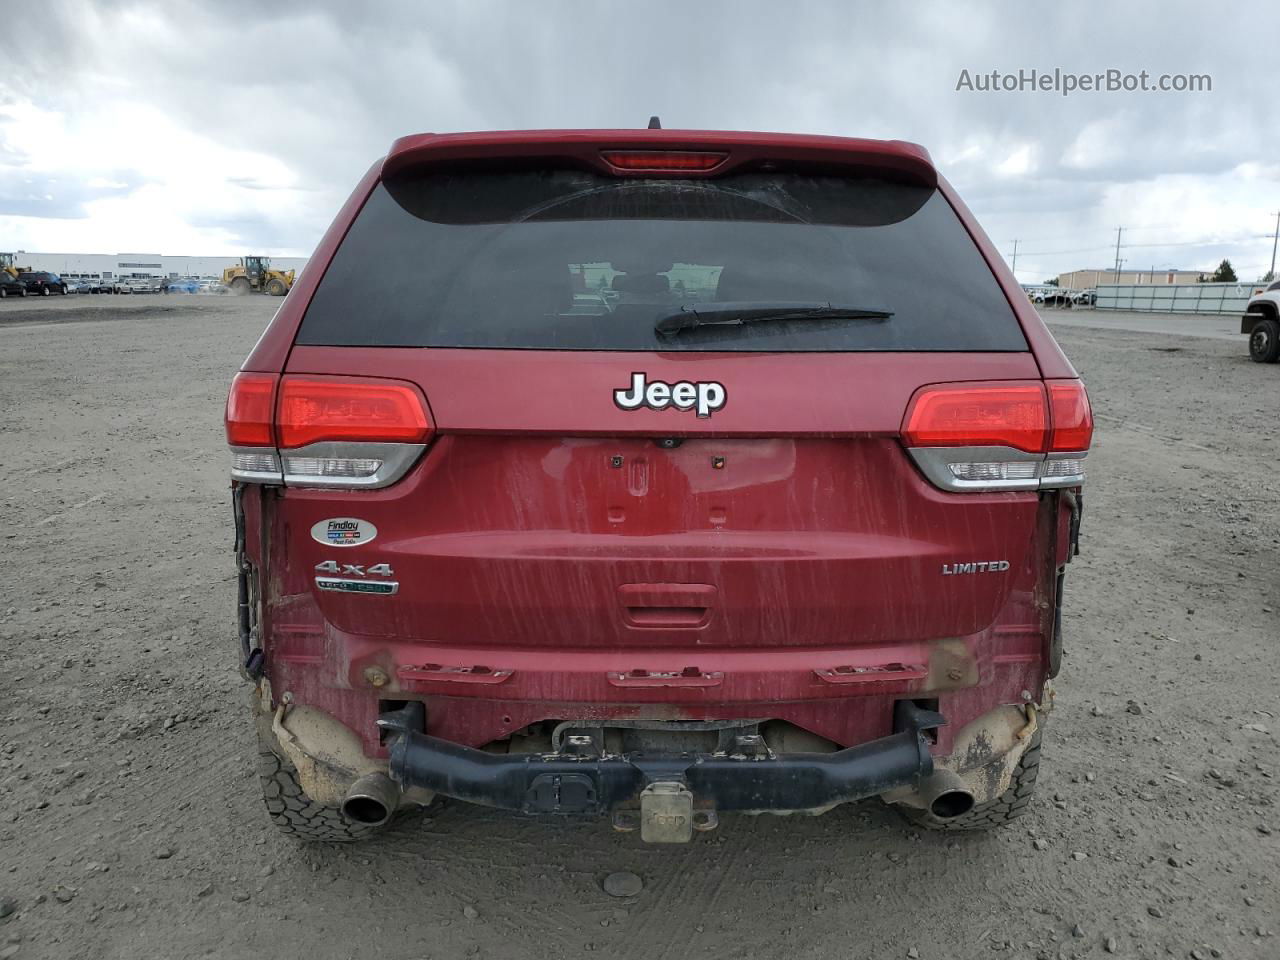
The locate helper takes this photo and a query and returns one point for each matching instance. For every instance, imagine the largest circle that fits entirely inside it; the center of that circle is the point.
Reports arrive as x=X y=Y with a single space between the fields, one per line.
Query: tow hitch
x=666 y=813
x=674 y=794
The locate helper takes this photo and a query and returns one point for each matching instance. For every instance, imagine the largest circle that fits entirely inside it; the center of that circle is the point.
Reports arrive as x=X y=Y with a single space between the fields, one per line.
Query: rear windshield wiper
x=749 y=311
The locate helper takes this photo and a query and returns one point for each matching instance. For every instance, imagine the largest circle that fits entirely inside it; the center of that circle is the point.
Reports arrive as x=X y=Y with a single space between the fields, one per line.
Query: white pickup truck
x=1261 y=322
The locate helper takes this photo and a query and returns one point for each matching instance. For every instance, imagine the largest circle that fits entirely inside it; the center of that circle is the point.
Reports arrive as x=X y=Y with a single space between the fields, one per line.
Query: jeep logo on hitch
x=704 y=397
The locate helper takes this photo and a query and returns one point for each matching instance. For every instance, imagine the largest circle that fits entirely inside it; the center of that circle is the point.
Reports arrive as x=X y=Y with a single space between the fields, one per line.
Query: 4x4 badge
x=704 y=396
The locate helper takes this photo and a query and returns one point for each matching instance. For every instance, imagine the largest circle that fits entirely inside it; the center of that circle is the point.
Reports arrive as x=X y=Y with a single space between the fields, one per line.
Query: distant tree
x=1201 y=279
x=1052 y=282
x=1268 y=276
x=1224 y=273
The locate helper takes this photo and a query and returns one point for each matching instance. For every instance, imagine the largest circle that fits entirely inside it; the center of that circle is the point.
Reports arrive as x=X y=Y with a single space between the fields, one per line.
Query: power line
x=1132 y=230
x=1233 y=242
x=1057 y=253
x=1188 y=243
x=1120 y=245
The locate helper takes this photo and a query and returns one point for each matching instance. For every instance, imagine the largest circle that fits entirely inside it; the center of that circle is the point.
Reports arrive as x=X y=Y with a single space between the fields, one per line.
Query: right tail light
x=1000 y=436
x=322 y=431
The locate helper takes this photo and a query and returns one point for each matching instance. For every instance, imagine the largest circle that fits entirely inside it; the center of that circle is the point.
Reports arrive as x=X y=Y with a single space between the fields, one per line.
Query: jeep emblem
x=704 y=396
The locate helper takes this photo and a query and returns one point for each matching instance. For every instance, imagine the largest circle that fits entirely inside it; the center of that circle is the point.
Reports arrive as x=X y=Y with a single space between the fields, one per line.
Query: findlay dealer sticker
x=343 y=532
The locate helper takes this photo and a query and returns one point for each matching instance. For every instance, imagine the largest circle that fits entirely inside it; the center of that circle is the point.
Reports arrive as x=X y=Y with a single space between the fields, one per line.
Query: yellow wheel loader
x=254 y=275
x=8 y=265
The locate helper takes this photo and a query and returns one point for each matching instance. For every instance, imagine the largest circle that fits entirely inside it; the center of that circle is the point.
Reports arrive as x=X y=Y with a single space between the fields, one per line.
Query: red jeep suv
x=653 y=474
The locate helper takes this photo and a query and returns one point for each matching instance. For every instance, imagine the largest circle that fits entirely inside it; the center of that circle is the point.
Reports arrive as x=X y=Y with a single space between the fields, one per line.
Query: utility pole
x=1118 y=232
x=1275 y=238
x=1013 y=267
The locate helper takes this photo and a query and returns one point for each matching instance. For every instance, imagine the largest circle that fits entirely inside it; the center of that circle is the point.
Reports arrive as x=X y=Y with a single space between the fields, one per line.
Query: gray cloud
x=325 y=86
x=59 y=196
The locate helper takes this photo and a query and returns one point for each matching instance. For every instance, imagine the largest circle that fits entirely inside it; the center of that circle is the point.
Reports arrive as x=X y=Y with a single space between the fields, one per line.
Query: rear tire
x=1005 y=808
x=295 y=813
x=44 y=291
x=276 y=289
x=1264 y=341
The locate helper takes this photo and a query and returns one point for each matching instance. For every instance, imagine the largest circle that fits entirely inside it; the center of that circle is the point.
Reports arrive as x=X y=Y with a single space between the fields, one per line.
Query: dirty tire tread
x=295 y=813
x=1271 y=352
x=1004 y=809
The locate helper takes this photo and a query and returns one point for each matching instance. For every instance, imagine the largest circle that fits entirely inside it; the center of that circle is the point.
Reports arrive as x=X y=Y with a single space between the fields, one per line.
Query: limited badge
x=343 y=532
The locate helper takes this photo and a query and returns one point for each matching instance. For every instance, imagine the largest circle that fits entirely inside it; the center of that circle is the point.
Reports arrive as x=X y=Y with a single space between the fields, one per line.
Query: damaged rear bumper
x=672 y=794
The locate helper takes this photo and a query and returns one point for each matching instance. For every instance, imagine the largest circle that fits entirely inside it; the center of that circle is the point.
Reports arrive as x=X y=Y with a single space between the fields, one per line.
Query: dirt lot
x=130 y=819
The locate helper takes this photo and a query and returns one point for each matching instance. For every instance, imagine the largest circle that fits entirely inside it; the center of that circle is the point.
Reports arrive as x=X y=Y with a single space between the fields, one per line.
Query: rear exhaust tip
x=946 y=795
x=371 y=800
x=951 y=804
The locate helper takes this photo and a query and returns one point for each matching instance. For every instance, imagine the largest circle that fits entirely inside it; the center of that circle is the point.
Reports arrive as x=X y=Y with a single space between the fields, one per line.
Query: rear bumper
x=581 y=784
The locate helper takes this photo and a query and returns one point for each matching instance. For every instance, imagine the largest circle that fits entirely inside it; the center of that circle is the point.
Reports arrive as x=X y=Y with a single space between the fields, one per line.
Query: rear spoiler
x=586 y=149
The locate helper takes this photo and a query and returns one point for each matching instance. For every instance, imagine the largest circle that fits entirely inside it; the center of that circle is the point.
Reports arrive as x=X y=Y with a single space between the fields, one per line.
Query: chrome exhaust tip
x=946 y=795
x=371 y=800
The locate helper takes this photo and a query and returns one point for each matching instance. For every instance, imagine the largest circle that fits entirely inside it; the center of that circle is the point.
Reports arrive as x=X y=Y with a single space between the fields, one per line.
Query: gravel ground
x=131 y=824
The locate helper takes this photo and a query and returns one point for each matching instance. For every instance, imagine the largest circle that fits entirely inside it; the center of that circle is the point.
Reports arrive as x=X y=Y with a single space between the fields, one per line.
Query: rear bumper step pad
x=569 y=784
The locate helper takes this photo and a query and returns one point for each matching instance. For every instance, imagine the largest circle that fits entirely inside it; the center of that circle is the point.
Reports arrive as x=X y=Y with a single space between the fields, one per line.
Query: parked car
x=138 y=285
x=79 y=286
x=11 y=286
x=1085 y=298
x=42 y=283
x=773 y=542
x=213 y=286
x=180 y=285
x=1054 y=298
x=1261 y=323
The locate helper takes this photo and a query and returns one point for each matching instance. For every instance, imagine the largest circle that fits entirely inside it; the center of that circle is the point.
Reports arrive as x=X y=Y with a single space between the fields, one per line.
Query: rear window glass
x=567 y=260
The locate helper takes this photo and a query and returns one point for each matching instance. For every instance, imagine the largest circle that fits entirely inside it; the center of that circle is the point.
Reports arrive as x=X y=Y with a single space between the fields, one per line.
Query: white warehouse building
x=116 y=266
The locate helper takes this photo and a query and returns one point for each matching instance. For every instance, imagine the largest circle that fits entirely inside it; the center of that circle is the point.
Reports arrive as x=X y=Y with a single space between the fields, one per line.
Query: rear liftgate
x=671 y=795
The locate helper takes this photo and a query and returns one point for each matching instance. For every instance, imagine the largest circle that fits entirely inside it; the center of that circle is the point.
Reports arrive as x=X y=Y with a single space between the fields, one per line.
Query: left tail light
x=320 y=431
x=250 y=422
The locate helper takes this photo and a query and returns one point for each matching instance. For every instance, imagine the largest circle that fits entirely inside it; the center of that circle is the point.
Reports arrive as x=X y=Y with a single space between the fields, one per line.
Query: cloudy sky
x=185 y=127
